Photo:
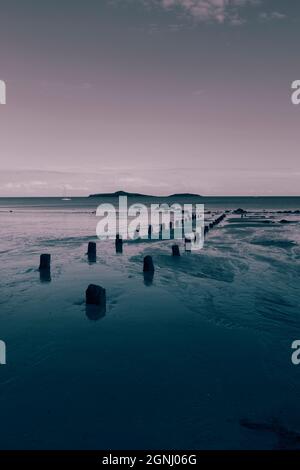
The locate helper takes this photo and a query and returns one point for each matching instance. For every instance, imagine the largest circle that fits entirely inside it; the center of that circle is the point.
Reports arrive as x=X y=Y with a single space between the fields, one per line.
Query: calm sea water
x=83 y=203
x=179 y=363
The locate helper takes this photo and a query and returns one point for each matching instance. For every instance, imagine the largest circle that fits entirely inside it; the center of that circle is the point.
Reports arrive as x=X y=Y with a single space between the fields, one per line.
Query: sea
x=198 y=358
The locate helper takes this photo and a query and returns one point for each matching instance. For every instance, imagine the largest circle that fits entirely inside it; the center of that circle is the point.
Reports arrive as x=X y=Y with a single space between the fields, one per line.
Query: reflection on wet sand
x=95 y=312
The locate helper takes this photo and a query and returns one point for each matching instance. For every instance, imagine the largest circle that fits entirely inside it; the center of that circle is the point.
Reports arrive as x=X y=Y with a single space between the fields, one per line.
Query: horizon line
x=150 y=195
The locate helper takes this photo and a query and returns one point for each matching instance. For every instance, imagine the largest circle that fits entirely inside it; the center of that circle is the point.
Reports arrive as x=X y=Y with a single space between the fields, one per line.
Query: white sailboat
x=65 y=197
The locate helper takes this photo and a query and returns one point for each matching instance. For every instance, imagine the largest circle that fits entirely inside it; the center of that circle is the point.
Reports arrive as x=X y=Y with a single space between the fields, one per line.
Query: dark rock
x=239 y=211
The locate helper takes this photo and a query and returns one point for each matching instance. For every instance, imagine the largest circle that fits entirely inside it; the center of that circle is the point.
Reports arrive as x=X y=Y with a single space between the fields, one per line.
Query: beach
x=184 y=362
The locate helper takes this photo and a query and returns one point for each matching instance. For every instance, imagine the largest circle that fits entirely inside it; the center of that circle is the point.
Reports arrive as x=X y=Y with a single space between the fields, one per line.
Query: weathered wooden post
x=92 y=248
x=119 y=244
x=92 y=251
x=95 y=295
x=148 y=270
x=148 y=265
x=172 y=231
x=161 y=231
x=175 y=250
x=45 y=268
x=45 y=261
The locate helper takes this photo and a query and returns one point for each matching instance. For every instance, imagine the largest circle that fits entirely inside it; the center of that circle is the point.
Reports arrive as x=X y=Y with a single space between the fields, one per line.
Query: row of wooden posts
x=96 y=295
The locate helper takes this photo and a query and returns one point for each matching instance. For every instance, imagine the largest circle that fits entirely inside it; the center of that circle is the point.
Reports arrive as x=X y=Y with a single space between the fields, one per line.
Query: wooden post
x=148 y=265
x=45 y=261
x=119 y=244
x=175 y=250
x=95 y=295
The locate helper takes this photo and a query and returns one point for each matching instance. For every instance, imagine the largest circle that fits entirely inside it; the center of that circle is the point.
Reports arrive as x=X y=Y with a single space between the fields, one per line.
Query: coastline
x=213 y=328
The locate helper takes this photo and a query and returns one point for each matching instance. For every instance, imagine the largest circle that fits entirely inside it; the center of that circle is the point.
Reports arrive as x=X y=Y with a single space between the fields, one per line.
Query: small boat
x=65 y=197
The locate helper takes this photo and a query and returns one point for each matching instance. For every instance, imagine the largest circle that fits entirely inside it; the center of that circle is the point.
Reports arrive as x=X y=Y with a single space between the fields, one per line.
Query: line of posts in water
x=96 y=295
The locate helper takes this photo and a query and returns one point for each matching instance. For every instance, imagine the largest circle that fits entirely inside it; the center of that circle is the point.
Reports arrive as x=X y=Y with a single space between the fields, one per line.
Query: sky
x=154 y=96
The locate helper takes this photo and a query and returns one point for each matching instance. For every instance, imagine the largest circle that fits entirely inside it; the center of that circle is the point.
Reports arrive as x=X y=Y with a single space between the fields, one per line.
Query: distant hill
x=184 y=195
x=128 y=194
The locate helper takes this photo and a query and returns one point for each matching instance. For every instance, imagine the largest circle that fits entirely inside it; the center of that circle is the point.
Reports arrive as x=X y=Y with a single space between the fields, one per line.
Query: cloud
x=274 y=15
x=230 y=181
x=219 y=11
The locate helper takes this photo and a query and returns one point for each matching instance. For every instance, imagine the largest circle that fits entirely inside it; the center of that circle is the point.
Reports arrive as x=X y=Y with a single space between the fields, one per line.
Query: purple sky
x=149 y=95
